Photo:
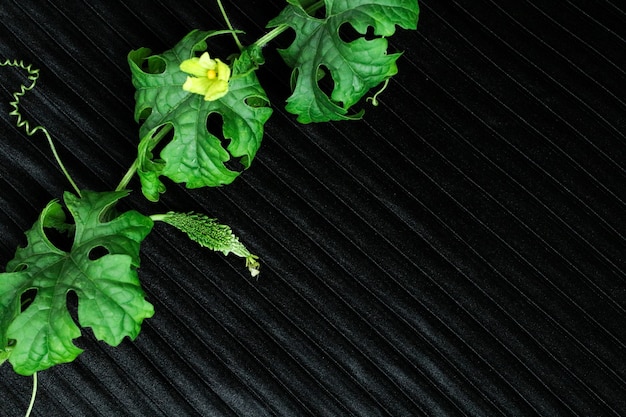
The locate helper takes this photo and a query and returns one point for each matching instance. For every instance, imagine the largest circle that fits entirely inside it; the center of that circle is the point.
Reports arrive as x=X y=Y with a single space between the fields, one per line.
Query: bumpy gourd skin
x=209 y=233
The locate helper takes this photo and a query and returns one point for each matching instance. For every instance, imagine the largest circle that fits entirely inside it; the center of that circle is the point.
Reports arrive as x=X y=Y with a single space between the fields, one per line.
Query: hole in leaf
x=62 y=240
x=97 y=253
x=283 y=41
x=319 y=13
x=348 y=33
x=294 y=78
x=27 y=298
x=215 y=126
x=145 y=113
x=153 y=65
x=71 y=302
x=108 y=214
x=325 y=80
x=165 y=140
x=254 y=101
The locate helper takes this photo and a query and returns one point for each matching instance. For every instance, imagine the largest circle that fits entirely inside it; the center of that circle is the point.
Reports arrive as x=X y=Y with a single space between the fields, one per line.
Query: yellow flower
x=210 y=76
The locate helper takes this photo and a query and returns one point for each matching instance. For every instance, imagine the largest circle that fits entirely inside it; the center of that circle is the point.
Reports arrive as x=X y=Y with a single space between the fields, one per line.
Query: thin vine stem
x=269 y=36
x=135 y=165
x=33 y=76
x=230 y=26
x=374 y=98
x=32 y=397
x=128 y=176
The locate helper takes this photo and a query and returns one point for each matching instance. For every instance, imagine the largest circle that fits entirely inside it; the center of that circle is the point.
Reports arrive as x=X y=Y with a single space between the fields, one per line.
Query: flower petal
x=216 y=89
x=223 y=70
x=206 y=62
x=197 y=85
x=193 y=66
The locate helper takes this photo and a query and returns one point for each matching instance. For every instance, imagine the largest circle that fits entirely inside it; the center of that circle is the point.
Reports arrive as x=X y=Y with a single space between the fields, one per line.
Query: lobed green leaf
x=100 y=267
x=355 y=67
x=194 y=155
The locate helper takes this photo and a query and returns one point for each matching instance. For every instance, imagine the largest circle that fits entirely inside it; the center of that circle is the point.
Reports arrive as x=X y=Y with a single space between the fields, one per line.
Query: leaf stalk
x=269 y=36
x=230 y=26
x=33 y=396
x=135 y=165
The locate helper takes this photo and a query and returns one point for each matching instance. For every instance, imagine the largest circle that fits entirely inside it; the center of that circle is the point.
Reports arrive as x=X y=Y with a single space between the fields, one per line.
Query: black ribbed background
x=458 y=252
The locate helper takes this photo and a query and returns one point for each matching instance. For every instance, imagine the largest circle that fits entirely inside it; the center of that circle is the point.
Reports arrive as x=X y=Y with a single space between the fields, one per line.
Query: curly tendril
x=33 y=76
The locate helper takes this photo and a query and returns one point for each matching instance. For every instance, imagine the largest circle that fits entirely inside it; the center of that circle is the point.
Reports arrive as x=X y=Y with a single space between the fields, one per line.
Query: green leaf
x=101 y=268
x=194 y=155
x=355 y=67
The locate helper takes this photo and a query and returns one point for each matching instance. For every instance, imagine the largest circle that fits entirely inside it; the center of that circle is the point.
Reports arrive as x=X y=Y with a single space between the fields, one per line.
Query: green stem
x=374 y=98
x=128 y=176
x=58 y=159
x=158 y=217
x=269 y=36
x=311 y=6
x=230 y=26
x=135 y=165
x=32 y=397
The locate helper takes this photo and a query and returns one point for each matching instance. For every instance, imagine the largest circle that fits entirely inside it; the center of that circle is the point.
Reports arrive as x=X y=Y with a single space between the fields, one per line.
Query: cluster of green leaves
x=176 y=142
x=197 y=157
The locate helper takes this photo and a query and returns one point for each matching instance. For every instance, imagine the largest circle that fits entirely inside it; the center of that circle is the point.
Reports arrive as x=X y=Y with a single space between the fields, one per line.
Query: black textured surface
x=458 y=252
